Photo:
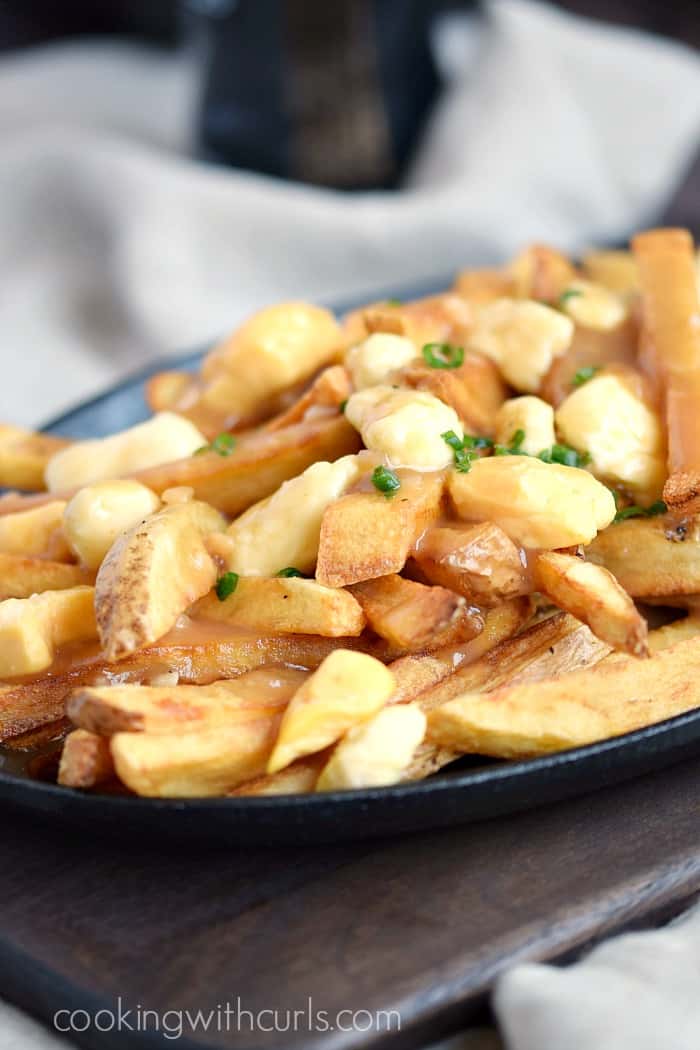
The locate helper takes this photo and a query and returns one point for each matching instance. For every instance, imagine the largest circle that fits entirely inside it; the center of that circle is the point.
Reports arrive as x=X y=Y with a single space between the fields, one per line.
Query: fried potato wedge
x=541 y=272
x=475 y=390
x=161 y=709
x=329 y=390
x=670 y=633
x=298 y=779
x=484 y=286
x=164 y=390
x=479 y=562
x=411 y=615
x=36 y=532
x=651 y=557
x=21 y=577
x=286 y=605
x=376 y=752
x=593 y=595
x=32 y=629
x=365 y=535
x=86 y=760
x=193 y=765
x=616 y=697
x=151 y=574
x=443 y=318
x=615 y=270
x=346 y=689
x=24 y=455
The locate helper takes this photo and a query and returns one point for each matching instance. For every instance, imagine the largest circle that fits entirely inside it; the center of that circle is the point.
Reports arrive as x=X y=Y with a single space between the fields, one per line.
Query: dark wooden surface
x=421 y=925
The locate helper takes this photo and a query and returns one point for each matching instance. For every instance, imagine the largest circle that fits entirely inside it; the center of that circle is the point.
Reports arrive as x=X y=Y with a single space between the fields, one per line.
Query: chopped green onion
x=464 y=460
x=226 y=585
x=385 y=481
x=584 y=374
x=442 y=355
x=659 y=507
x=476 y=442
x=289 y=572
x=453 y=440
x=569 y=293
x=517 y=440
x=464 y=449
x=223 y=444
x=514 y=449
x=343 y=405
x=565 y=456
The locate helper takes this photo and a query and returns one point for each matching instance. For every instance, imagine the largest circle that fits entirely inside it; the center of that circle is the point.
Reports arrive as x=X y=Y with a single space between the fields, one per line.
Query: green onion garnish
x=453 y=440
x=385 y=481
x=658 y=507
x=223 y=445
x=515 y=448
x=442 y=355
x=289 y=572
x=226 y=585
x=342 y=405
x=565 y=456
x=569 y=293
x=584 y=374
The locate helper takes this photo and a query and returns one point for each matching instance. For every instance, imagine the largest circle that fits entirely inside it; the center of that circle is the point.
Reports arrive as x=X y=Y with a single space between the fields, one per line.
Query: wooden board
x=421 y=925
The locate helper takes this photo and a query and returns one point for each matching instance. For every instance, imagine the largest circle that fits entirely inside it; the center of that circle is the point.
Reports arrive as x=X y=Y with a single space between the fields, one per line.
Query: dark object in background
x=24 y=23
x=333 y=93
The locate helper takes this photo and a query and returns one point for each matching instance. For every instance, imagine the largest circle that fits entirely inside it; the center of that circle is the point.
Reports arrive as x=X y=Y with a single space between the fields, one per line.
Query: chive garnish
x=385 y=481
x=289 y=572
x=226 y=585
x=223 y=445
x=584 y=374
x=442 y=355
x=656 y=508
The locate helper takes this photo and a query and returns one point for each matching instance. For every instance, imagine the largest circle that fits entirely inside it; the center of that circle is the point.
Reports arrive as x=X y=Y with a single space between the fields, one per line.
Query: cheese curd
x=376 y=752
x=283 y=530
x=523 y=338
x=592 y=305
x=31 y=629
x=405 y=426
x=99 y=513
x=533 y=416
x=163 y=439
x=374 y=359
x=539 y=505
x=623 y=436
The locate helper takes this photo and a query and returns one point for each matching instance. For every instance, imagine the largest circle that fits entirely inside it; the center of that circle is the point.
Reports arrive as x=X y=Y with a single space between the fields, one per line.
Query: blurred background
x=166 y=167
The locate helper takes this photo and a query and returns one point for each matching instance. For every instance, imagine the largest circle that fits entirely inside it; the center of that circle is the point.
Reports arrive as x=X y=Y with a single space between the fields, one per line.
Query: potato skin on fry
x=411 y=615
x=651 y=557
x=21 y=577
x=24 y=455
x=86 y=760
x=479 y=562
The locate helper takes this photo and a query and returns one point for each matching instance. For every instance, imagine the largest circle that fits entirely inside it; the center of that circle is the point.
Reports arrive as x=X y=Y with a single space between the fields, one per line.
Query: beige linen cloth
x=116 y=245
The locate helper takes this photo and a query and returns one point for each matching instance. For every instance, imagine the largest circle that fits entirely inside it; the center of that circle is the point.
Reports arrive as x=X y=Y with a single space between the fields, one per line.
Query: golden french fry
x=376 y=752
x=152 y=573
x=478 y=561
x=651 y=557
x=475 y=390
x=328 y=391
x=541 y=272
x=285 y=605
x=593 y=595
x=615 y=270
x=483 y=286
x=670 y=633
x=615 y=697
x=32 y=629
x=443 y=318
x=671 y=306
x=365 y=535
x=35 y=533
x=21 y=577
x=24 y=455
x=161 y=709
x=346 y=689
x=411 y=615
x=193 y=765
x=298 y=779
x=165 y=389
x=86 y=760
x=612 y=348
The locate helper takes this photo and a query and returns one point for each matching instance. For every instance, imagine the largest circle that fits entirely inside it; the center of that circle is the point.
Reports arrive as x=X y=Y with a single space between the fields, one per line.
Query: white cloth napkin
x=115 y=246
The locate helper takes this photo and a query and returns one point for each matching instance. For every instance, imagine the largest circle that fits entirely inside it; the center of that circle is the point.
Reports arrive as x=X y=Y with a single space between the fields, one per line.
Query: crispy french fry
x=328 y=391
x=86 y=760
x=35 y=533
x=651 y=557
x=615 y=270
x=365 y=535
x=411 y=615
x=670 y=633
x=541 y=272
x=32 y=629
x=298 y=779
x=475 y=390
x=161 y=709
x=671 y=306
x=20 y=577
x=193 y=765
x=616 y=697
x=24 y=455
x=593 y=595
x=483 y=286
x=346 y=689
x=478 y=561
x=437 y=319
x=151 y=574
x=286 y=606
x=609 y=348
x=165 y=389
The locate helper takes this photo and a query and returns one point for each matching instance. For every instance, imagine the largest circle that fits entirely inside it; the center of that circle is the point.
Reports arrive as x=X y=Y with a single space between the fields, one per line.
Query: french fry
x=35 y=533
x=346 y=689
x=376 y=752
x=615 y=697
x=443 y=318
x=24 y=455
x=671 y=306
x=33 y=629
x=615 y=270
x=193 y=765
x=151 y=574
x=165 y=389
x=483 y=286
x=594 y=596
x=671 y=633
x=541 y=272
x=365 y=535
x=161 y=709
x=651 y=557
x=298 y=779
x=86 y=760
x=599 y=348
x=475 y=389
x=411 y=615
x=478 y=561
x=327 y=392
x=285 y=606
x=20 y=577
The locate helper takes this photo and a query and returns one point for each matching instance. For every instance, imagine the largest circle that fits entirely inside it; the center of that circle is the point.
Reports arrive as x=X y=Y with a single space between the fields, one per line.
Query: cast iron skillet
x=467 y=791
